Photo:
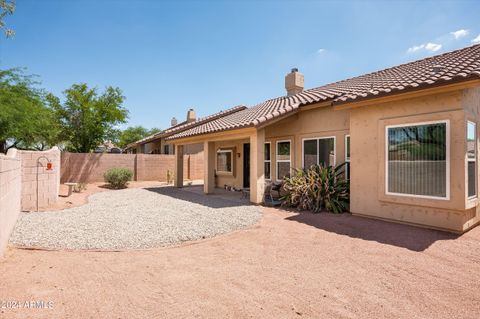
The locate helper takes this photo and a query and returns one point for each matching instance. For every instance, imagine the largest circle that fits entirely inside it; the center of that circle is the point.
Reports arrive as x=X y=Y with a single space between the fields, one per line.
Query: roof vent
x=437 y=68
x=173 y=122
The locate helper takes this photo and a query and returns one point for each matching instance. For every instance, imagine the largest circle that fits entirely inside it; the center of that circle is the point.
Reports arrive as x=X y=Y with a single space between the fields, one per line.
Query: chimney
x=173 y=122
x=294 y=82
x=191 y=116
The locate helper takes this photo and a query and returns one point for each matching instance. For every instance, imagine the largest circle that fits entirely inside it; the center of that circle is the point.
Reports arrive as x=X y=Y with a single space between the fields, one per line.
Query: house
x=408 y=133
x=108 y=147
x=157 y=143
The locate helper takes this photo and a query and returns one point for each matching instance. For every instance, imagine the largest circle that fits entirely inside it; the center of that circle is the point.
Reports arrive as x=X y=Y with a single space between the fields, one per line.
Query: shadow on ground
x=409 y=237
x=194 y=194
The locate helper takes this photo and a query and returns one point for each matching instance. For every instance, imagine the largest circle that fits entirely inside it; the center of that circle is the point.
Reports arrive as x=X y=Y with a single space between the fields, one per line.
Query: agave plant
x=318 y=187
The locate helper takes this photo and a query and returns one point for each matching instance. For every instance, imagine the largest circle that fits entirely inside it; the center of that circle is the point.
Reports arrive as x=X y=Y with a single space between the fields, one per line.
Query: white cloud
x=476 y=40
x=460 y=33
x=416 y=48
x=320 y=51
x=432 y=47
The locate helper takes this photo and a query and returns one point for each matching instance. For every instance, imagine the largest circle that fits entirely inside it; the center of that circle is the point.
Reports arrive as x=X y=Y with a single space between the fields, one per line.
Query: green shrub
x=318 y=187
x=118 y=177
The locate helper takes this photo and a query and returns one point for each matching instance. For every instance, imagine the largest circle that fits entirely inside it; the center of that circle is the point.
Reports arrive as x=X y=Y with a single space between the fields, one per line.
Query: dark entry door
x=246 y=165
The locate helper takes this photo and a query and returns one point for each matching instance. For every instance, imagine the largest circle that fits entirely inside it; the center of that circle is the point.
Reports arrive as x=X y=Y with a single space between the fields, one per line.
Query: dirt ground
x=288 y=266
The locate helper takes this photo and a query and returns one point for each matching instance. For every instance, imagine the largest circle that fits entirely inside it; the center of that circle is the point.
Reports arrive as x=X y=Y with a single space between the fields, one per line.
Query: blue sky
x=211 y=55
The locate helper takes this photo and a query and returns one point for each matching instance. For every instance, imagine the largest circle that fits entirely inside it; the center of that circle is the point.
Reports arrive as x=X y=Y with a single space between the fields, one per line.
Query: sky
x=169 y=56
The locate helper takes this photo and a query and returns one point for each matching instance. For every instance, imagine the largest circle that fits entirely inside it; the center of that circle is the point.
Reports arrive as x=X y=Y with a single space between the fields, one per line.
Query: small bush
x=318 y=187
x=118 y=177
x=80 y=187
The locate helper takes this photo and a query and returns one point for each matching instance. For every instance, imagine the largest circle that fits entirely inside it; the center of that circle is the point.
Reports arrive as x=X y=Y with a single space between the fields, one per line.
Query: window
x=319 y=151
x=472 y=159
x=166 y=149
x=418 y=160
x=283 y=159
x=268 y=162
x=347 y=156
x=224 y=161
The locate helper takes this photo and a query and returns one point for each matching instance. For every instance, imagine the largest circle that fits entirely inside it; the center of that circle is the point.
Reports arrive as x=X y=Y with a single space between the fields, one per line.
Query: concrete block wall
x=48 y=180
x=151 y=167
x=89 y=168
x=10 y=195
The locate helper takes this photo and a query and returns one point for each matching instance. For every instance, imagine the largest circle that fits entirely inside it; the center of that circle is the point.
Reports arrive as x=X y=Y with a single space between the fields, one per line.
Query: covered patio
x=233 y=159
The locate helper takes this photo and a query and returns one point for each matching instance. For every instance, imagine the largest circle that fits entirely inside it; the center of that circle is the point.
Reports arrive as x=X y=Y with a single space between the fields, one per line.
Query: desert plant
x=170 y=176
x=80 y=187
x=118 y=177
x=318 y=187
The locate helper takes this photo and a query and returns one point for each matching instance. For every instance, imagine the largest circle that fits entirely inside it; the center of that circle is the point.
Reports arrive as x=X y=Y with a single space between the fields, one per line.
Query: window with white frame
x=283 y=159
x=319 y=151
x=268 y=162
x=472 y=159
x=347 y=156
x=417 y=158
x=224 y=161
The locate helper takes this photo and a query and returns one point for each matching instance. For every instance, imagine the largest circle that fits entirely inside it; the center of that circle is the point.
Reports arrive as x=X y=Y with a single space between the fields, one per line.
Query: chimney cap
x=294 y=70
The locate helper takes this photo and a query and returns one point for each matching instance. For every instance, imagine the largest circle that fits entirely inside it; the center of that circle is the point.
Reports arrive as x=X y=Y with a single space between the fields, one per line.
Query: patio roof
x=456 y=66
x=187 y=125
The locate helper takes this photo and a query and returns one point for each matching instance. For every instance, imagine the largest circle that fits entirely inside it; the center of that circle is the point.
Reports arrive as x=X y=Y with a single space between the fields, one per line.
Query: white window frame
x=447 y=159
x=318 y=149
x=270 y=160
x=231 y=164
x=472 y=160
x=282 y=161
x=347 y=159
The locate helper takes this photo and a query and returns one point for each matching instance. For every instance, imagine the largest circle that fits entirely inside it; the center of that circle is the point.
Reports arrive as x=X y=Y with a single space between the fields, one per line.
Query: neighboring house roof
x=187 y=125
x=455 y=66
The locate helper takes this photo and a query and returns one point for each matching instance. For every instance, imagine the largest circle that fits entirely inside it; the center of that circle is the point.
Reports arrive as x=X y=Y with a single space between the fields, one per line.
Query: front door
x=246 y=165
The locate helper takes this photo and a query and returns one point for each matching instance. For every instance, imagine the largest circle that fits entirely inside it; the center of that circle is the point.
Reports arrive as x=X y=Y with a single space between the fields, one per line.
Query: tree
x=7 y=7
x=133 y=134
x=25 y=119
x=86 y=118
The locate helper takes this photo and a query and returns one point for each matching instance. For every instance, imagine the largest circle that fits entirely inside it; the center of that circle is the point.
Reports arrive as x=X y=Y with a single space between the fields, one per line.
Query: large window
x=283 y=159
x=268 y=162
x=319 y=151
x=472 y=159
x=347 y=156
x=418 y=160
x=224 y=161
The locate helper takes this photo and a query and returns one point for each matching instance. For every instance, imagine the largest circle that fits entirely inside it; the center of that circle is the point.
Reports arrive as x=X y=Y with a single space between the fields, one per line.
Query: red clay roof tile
x=459 y=65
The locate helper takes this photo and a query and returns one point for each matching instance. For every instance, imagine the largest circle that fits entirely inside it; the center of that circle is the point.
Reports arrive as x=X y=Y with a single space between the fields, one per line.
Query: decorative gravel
x=134 y=218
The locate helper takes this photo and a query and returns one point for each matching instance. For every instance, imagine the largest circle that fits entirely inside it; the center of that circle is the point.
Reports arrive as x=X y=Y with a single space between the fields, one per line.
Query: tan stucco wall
x=236 y=178
x=317 y=122
x=368 y=161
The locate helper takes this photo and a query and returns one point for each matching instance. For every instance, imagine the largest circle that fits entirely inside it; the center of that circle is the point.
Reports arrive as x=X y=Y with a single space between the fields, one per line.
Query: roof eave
x=426 y=89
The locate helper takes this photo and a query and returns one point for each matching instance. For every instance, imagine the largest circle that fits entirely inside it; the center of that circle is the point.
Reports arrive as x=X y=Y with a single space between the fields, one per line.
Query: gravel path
x=134 y=218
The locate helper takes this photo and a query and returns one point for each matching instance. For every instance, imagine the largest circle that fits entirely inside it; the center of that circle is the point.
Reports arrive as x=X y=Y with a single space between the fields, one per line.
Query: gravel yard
x=132 y=219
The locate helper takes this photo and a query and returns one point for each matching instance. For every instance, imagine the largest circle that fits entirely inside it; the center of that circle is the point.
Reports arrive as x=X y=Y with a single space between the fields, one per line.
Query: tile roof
x=186 y=125
x=455 y=66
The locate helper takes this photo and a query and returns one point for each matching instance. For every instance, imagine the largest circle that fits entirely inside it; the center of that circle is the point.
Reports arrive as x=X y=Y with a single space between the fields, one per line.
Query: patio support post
x=209 y=167
x=178 y=180
x=257 y=174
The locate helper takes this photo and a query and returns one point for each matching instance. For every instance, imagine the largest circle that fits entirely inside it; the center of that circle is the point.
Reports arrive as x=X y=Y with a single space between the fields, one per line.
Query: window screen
x=417 y=160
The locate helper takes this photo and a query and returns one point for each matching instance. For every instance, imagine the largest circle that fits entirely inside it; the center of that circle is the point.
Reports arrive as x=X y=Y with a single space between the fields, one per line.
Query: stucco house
x=157 y=143
x=409 y=134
